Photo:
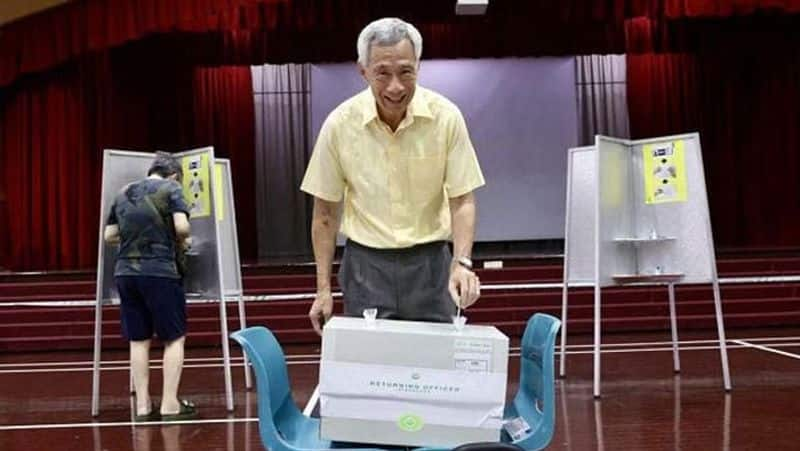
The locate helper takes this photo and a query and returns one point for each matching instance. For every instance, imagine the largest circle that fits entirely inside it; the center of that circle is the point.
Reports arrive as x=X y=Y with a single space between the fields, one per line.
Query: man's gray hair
x=385 y=32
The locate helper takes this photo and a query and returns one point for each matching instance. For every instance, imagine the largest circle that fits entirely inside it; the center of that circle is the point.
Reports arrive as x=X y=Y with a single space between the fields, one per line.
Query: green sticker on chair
x=410 y=422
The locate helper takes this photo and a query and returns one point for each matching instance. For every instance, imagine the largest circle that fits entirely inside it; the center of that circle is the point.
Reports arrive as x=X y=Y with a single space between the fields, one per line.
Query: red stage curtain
x=281 y=28
x=309 y=30
x=741 y=91
x=662 y=93
x=93 y=74
x=55 y=36
x=54 y=129
x=51 y=174
x=672 y=9
x=224 y=115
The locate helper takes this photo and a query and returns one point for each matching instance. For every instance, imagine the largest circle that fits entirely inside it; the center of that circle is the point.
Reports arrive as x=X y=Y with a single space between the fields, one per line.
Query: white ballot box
x=411 y=383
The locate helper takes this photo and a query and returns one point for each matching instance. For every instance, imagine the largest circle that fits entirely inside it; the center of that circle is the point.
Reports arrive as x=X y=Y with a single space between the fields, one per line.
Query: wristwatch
x=465 y=262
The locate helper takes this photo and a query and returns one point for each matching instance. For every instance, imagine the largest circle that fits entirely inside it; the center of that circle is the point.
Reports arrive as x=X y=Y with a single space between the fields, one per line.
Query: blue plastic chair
x=487 y=446
x=480 y=446
x=535 y=398
x=282 y=426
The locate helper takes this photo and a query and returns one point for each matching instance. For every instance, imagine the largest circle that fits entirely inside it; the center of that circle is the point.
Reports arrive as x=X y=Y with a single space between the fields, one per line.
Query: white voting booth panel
x=651 y=239
x=213 y=261
x=637 y=212
x=581 y=217
x=411 y=383
x=226 y=217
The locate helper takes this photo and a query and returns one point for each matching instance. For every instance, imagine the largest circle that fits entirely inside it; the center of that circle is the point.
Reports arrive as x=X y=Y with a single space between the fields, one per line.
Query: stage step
x=73 y=327
x=33 y=327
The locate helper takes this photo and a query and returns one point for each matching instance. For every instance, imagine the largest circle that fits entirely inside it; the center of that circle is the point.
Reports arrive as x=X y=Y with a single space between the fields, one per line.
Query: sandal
x=188 y=412
x=153 y=415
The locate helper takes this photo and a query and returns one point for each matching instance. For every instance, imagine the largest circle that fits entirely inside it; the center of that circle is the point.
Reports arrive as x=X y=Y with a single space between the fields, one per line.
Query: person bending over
x=149 y=220
x=395 y=167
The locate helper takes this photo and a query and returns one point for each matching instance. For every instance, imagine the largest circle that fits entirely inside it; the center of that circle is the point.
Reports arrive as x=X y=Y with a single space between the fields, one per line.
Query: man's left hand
x=464 y=286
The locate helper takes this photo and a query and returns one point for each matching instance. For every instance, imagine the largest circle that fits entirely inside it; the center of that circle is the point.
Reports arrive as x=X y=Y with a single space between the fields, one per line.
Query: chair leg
x=312 y=402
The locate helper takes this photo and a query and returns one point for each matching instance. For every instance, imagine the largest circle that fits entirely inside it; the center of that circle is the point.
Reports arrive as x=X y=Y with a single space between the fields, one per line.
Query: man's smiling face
x=392 y=77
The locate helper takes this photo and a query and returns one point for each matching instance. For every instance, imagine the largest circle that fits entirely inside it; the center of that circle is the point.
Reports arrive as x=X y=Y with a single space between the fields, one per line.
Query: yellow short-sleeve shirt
x=395 y=185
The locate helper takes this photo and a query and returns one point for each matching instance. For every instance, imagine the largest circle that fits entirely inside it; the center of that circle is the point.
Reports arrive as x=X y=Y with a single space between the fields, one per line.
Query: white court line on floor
x=316 y=361
x=152 y=361
x=315 y=356
x=18 y=427
x=767 y=349
x=305 y=358
x=126 y=368
x=669 y=349
x=738 y=344
x=336 y=294
x=708 y=340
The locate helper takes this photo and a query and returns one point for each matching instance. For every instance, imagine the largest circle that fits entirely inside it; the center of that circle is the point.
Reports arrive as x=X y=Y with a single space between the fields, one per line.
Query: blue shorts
x=151 y=304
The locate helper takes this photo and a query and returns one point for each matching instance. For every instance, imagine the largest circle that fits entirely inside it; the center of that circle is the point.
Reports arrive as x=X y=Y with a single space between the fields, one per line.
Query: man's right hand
x=321 y=310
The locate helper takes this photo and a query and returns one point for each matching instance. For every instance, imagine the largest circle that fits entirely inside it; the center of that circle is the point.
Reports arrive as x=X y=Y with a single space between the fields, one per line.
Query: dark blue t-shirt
x=143 y=210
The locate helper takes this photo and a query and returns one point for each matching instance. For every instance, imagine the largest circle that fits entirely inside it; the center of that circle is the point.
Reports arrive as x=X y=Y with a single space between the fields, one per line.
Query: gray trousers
x=408 y=284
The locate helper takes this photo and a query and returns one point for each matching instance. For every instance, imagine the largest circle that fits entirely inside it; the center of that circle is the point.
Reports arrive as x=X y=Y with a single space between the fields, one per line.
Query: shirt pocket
x=426 y=178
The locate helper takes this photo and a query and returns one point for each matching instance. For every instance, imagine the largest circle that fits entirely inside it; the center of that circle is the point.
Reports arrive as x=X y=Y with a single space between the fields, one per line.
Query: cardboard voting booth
x=411 y=383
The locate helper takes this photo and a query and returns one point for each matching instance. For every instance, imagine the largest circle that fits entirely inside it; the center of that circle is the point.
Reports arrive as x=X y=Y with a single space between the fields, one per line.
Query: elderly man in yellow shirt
x=394 y=166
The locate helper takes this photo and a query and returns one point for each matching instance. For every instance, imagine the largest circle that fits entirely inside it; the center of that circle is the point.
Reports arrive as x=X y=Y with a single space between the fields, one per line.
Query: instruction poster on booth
x=196 y=185
x=664 y=172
